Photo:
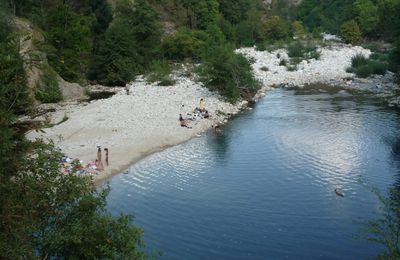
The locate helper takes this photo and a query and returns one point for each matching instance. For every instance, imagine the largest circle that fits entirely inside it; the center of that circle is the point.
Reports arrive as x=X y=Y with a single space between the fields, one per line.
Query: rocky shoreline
x=329 y=69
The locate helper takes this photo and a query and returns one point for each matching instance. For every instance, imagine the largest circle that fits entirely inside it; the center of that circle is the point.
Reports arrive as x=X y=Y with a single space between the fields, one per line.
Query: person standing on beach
x=202 y=105
x=106 y=149
x=99 y=153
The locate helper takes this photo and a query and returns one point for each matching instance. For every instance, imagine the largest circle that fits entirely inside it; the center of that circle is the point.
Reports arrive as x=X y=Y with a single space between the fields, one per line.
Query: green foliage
x=358 y=60
x=235 y=11
x=129 y=45
x=367 y=15
x=250 y=31
x=364 y=67
x=326 y=14
x=48 y=214
x=394 y=58
x=276 y=28
x=299 y=50
x=70 y=38
x=228 y=73
x=385 y=228
x=298 y=29
x=200 y=14
x=13 y=92
x=48 y=91
x=376 y=18
x=160 y=71
x=350 y=32
x=185 y=43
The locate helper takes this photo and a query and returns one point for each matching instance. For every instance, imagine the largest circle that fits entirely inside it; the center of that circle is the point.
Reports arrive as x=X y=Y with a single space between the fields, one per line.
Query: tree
x=13 y=93
x=129 y=45
x=276 y=28
x=200 y=14
x=69 y=33
x=228 y=73
x=298 y=29
x=45 y=214
x=385 y=229
x=350 y=32
x=367 y=15
x=235 y=11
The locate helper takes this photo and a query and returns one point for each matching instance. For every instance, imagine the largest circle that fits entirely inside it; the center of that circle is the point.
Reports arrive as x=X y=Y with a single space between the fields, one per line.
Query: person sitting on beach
x=206 y=114
x=99 y=165
x=182 y=121
x=216 y=129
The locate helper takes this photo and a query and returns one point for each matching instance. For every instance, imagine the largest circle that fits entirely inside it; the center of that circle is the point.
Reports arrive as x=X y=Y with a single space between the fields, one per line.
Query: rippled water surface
x=264 y=188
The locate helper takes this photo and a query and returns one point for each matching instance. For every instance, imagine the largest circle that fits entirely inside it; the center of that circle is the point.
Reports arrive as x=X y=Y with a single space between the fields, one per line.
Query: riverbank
x=329 y=69
x=135 y=125
x=146 y=121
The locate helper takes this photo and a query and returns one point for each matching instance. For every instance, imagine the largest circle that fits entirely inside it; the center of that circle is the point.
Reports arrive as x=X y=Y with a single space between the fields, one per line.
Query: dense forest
x=47 y=215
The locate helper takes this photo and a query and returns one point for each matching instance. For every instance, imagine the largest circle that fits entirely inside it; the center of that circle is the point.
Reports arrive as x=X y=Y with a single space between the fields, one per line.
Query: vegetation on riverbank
x=45 y=214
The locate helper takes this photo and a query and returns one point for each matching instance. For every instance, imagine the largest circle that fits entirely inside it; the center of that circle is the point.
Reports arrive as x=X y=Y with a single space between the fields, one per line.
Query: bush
x=282 y=62
x=358 y=60
x=378 y=68
x=350 y=32
x=299 y=50
x=159 y=70
x=228 y=73
x=363 y=71
x=48 y=91
x=276 y=28
x=184 y=44
x=364 y=67
x=296 y=50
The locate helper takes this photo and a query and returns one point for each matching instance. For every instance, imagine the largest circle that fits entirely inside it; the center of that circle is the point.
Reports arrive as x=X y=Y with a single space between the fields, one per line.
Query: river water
x=264 y=187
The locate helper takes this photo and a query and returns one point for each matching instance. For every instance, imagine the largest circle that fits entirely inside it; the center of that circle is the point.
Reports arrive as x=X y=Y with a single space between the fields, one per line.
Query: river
x=264 y=187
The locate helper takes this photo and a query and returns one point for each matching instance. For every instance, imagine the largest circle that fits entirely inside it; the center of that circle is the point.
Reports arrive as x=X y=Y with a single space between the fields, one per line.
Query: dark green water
x=264 y=188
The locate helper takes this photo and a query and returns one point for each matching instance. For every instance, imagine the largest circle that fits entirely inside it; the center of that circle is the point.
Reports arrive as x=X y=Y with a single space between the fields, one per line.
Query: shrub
x=394 y=58
x=298 y=29
x=184 y=44
x=364 y=67
x=358 y=60
x=296 y=50
x=363 y=71
x=228 y=73
x=378 y=68
x=299 y=50
x=276 y=28
x=48 y=91
x=350 y=32
x=282 y=62
x=159 y=70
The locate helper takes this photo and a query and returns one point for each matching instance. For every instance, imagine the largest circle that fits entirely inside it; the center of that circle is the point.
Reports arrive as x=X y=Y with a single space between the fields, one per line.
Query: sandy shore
x=135 y=125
